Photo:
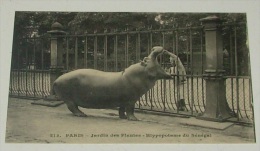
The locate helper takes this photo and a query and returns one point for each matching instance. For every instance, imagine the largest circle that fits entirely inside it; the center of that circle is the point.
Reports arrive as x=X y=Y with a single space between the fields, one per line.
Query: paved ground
x=27 y=123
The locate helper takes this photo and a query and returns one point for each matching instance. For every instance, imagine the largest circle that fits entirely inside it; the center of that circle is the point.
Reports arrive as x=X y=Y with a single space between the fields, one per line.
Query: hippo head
x=152 y=67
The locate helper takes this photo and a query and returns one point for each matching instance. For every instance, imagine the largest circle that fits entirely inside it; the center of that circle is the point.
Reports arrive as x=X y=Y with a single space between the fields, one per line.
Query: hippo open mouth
x=156 y=51
x=153 y=66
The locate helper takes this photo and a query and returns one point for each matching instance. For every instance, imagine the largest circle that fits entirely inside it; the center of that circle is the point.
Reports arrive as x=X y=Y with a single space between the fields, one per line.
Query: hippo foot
x=123 y=116
x=80 y=114
x=132 y=118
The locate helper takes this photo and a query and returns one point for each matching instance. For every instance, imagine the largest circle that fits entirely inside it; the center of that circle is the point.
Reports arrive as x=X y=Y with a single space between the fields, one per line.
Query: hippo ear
x=144 y=62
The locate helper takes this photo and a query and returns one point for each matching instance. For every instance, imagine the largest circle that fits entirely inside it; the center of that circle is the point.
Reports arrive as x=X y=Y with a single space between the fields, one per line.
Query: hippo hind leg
x=74 y=109
x=121 y=111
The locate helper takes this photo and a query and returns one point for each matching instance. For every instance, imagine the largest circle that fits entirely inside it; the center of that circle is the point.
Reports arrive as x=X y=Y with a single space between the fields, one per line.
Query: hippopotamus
x=89 y=88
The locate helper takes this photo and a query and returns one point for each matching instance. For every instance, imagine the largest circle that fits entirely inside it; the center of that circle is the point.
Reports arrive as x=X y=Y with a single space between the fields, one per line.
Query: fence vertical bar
x=147 y=95
x=138 y=45
x=86 y=52
x=164 y=80
x=151 y=38
x=31 y=73
x=105 y=51
x=11 y=82
x=236 y=73
x=67 y=53
x=95 y=51
x=34 y=66
x=42 y=67
x=76 y=53
x=21 y=76
x=250 y=85
x=126 y=47
x=201 y=51
x=18 y=60
x=231 y=68
x=173 y=41
x=244 y=100
x=148 y=44
x=137 y=57
x=251 y=97
x=202 y=65
x=191 y=71
x=177 y=88
x=26 y=72
x=174 y=48
x=115 y=50
x=151 y=92
x=231 y=53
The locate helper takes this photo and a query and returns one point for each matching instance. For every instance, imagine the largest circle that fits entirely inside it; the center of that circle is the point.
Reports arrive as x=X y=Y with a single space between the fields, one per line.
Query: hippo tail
x=53 y=89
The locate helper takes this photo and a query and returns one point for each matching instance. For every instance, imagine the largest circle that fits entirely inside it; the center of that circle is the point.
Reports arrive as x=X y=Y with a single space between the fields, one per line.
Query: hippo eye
x=143 y=63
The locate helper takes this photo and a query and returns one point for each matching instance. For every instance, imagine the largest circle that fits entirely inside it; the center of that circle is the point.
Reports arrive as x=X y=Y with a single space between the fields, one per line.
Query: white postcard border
x=8 y=8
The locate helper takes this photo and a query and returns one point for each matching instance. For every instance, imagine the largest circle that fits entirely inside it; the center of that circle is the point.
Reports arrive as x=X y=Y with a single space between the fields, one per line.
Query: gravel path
x=27 y=123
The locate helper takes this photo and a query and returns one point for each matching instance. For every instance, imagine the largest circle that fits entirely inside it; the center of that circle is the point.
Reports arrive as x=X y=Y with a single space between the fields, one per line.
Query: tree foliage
x=29 y=24
x=81 y=22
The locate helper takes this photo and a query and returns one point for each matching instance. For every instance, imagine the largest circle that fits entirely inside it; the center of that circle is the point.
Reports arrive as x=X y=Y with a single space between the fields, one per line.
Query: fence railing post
x=216 y=108
x=56 y=67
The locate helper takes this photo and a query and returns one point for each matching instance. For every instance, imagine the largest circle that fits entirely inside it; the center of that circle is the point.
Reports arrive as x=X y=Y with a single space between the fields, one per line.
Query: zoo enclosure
x=34 y=68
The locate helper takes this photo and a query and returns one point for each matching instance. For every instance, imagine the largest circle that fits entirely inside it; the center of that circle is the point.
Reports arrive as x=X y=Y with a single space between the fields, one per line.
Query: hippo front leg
x=130 y=113
x=74 y=109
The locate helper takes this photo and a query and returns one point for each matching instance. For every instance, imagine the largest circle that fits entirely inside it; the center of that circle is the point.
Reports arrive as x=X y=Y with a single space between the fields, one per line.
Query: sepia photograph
x=129 y=77
x=125 y=74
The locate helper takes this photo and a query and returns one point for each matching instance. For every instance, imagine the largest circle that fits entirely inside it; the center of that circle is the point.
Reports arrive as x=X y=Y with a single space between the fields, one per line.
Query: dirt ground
x=27 y=123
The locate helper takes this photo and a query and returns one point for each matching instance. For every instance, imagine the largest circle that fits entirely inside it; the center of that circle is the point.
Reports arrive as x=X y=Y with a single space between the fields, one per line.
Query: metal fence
x=115 y=50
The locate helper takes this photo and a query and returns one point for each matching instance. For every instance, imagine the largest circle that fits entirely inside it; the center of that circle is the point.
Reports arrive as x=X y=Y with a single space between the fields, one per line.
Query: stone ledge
x=207 y=124
x=48 y=103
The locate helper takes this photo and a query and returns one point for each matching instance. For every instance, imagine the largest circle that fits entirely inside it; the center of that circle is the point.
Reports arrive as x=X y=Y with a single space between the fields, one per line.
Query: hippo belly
x=100 y=96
